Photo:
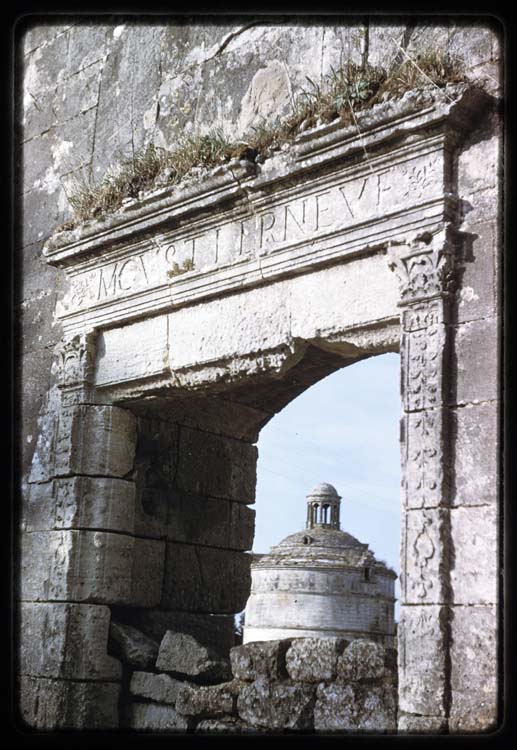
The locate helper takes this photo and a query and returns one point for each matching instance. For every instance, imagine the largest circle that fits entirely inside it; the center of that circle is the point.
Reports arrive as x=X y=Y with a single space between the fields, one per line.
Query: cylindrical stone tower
x=320 y=582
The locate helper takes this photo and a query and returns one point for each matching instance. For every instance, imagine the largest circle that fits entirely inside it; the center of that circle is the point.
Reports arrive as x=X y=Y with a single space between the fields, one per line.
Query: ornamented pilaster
x=425 y=269
x=74 y=367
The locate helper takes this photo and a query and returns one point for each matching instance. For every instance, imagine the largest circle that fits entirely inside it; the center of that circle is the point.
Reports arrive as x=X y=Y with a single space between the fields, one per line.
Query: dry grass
x=342 y=94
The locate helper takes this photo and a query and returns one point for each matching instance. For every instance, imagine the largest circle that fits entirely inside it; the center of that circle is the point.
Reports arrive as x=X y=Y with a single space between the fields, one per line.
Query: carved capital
x=75 y=360
x=424 y=266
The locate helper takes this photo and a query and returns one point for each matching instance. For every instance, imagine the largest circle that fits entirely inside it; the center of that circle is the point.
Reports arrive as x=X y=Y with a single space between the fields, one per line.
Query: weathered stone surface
x=424 y=545
x=91 y=566
x=211 y=413
x=121 y=356
x=181 y=653
x=474 y=681
x=477 y=294
x=421 y=659
x=367 y=708
x=224 y=725
x=61 y=704
x=475 y=427
x=216 y=466
x=153 y=717
x=365 y=660
x=213 y=700
x=260 y=659
x=205 y=579
x=81 y=503
x=476 y=352
x=276 y=705
x=411 y=724
x=161 y=688
x=314 y=659
x=132 y=646
x=147 y=571
x=474 y=534
x=66 y=641
x=213 y=631
x=92 y=440
x=213 y=522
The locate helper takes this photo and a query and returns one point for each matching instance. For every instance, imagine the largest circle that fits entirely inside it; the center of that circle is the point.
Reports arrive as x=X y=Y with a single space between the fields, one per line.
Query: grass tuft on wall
x=341 y=94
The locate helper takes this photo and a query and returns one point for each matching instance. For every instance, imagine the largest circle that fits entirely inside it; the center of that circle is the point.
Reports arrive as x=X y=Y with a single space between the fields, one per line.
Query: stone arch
x=163 y=381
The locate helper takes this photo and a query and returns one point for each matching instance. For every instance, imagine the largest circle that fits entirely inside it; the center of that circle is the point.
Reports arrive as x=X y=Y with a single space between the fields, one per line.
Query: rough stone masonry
x=144 y=392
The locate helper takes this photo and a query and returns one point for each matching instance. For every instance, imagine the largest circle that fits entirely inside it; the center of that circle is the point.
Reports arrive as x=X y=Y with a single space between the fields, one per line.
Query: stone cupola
x=320 y=582
x=323 y=505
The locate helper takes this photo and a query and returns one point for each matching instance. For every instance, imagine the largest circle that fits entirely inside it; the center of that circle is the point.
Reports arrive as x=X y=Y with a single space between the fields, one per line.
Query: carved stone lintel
x=75 y=360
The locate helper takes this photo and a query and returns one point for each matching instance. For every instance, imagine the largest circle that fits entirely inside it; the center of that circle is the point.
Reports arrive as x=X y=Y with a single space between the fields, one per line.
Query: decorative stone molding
x=317 y=206
x=75 y=360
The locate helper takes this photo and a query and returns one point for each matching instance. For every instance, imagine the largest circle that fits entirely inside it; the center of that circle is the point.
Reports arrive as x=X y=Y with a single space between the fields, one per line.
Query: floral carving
x=75 y=360
x=424 y=550
x=424 y=266
x=424 y=473
x=419 y=179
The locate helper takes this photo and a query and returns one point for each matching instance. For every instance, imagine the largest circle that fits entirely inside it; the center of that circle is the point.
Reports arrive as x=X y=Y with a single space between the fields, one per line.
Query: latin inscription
x=268 y=231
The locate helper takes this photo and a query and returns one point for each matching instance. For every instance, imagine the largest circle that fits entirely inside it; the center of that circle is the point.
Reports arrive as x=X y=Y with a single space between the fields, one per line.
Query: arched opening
x=344 y=430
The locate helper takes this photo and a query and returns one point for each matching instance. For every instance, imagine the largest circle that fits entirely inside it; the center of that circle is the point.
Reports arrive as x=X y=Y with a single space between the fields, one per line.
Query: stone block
x=132 y=646
x=424 y=545
x=147 y=571
x=37 y=329
x=81 y=503
x=102 y=441
x=208 y=521
x=216 y=466
x=260 y=659
x=121 y=357
x=224 y=725
x=160 y=688
x=206 y=702
x=91 y=440
x=210 y=413
x=182 y=654
x=472 y=44
x=67 y=641
x=154 y=717
x=362 y=660
x=151 y=508
x=476 y=352
x=479 y=164
x=334 y=708
x=356 y=709
x=423 y=458
x=474 y=670
x=476 y=454
x=276 y=705
x=205 y=579
x=314 y=659
x=213 y=631
x=476 y=297
x=60 y=704
x=91 y=566
x=412 y=724
x=475 y=560
x=422 y=659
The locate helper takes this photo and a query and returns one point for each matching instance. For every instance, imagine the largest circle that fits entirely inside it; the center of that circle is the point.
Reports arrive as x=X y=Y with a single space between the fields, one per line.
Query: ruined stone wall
x=95 y=91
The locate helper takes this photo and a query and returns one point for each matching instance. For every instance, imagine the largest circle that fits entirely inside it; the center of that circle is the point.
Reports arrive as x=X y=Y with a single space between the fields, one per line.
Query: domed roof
x=324 y=490
x=318 y=548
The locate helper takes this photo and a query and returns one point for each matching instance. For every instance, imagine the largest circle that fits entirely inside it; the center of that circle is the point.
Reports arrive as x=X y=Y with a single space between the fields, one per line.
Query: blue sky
x=344 y=430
